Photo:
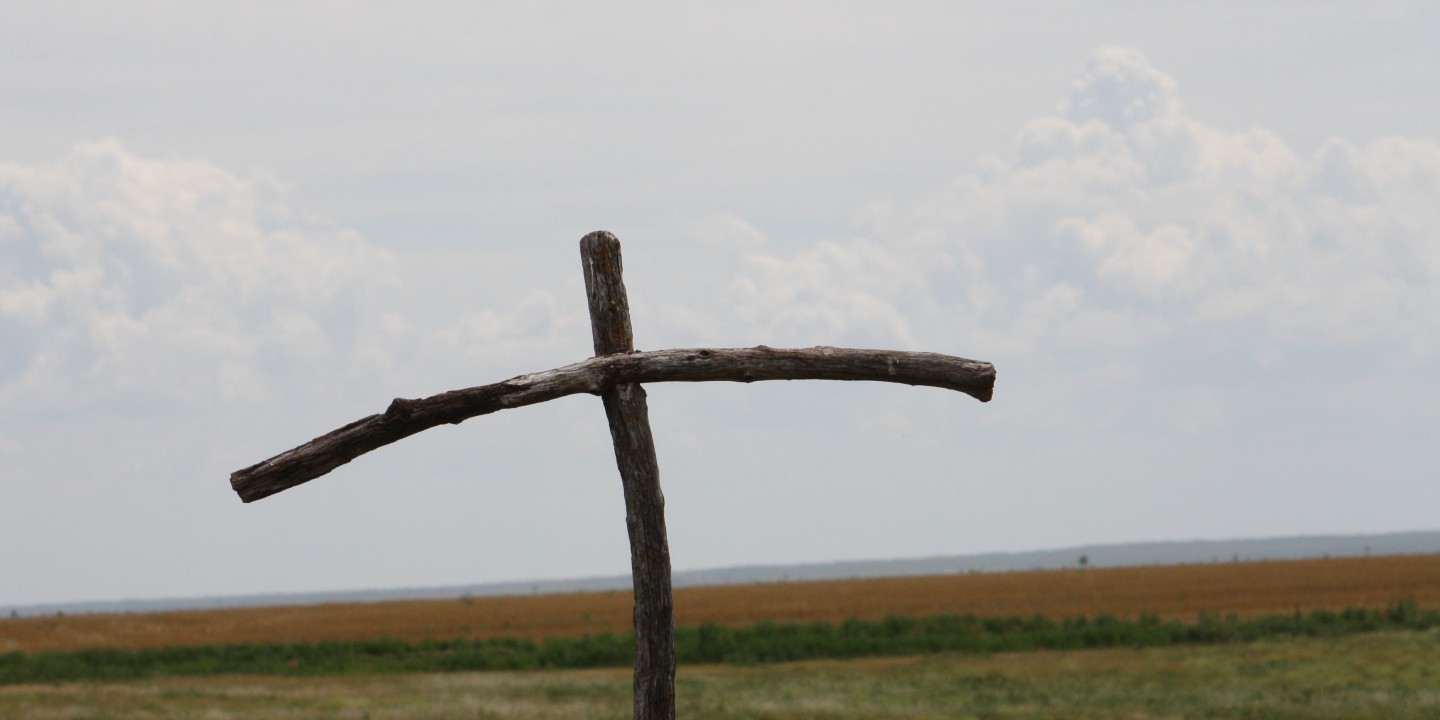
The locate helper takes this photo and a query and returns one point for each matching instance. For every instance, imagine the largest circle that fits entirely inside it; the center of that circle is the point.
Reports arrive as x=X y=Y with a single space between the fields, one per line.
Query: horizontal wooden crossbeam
x=594 y=376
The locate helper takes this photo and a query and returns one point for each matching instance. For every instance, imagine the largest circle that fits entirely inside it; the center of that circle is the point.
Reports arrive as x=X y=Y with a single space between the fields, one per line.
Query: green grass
x=1387 y=674
x=766 y=642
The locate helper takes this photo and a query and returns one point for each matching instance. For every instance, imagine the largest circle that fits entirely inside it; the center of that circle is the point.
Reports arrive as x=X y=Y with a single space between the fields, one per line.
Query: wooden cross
x=616 y=374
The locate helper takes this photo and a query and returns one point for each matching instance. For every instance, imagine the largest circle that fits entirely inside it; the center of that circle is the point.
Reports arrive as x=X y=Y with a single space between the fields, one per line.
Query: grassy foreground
x=1391 y=674
x=765 y=642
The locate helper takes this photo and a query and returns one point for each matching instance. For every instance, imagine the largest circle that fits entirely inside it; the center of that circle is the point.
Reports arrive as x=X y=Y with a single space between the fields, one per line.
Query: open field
x=1181 y=591
x=1391 y=675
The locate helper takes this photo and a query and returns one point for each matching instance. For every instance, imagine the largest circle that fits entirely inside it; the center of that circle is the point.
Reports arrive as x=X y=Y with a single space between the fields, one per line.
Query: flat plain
x=1175 y=591
x=1389 y=675
x=1393 y=674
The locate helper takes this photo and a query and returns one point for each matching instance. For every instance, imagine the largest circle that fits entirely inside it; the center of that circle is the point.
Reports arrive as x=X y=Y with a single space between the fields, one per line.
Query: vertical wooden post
x=616 y=379
x=628 y=414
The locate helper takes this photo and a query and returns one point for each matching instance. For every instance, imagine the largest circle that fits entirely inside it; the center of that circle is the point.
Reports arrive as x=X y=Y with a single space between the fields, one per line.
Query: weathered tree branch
x=594 y=376
x=629 y=417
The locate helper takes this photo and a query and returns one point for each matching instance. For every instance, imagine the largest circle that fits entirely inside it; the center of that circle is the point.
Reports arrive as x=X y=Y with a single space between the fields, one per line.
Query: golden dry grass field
x=1247 y=588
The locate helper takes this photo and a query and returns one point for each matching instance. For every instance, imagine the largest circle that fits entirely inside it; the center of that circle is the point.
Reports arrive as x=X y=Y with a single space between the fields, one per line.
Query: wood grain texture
x=629 y=417
x=405 y=417
x=605 y=292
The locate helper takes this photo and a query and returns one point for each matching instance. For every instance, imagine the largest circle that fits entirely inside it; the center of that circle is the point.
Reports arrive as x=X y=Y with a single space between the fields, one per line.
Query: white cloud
x=1119 y=88
x=1182 y=314
x=833 y=292
x=165 y=322
x=131 y=281
x=1125 y=222
x=126 y=277
x=534 y=322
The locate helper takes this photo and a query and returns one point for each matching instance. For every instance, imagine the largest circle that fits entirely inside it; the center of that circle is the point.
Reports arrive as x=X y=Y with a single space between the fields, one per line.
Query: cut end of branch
x=242 y=482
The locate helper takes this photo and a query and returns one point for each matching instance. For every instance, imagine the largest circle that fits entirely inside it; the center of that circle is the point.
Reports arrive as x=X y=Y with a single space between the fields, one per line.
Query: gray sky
x=1200 y=241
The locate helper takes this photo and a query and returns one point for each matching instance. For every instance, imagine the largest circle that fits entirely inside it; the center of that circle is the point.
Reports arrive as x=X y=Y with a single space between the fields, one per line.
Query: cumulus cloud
x=533 y=322
x=133 y=282
x=125 y=277
x=1119 y=88
x=1122 y=222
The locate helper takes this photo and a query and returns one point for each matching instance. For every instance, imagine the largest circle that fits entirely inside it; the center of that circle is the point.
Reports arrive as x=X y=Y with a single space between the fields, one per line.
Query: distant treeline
x=765 y=642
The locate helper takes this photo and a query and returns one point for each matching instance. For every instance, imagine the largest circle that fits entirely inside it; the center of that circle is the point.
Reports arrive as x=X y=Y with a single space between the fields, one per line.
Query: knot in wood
x=400 y=409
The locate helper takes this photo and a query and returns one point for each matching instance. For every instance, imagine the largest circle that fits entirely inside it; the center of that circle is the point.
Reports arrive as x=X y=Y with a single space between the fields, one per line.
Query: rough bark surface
x=406 y=417
x=629 y=417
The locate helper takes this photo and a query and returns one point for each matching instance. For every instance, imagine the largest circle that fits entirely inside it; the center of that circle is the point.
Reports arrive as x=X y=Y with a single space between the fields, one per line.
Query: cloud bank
x=1181 y=314
x=126 y=279
x=1122 y=225
x=1113 y=230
